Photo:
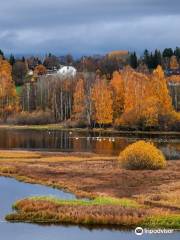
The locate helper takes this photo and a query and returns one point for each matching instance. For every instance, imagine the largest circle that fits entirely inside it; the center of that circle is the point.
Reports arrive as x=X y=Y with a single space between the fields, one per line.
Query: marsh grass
x=169 y=221
x=100 y=211
x=18 y=154
x=99 y=201
x=168 y=197
x=99 y=176
x=7 y=170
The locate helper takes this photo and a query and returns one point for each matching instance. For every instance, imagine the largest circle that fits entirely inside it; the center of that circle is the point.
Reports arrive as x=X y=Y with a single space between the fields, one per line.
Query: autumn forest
x=115 y=93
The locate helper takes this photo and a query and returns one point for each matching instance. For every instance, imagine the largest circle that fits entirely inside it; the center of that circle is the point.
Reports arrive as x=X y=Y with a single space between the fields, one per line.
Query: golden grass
x=98 y=212
x=90 y=175
x=167 y=197
x=7 y=170
x=51 y=157
x=18 y=154
x=96 y=177
x=102 y=211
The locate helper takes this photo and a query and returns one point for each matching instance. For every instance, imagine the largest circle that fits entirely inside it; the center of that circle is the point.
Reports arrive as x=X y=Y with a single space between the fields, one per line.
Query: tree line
x=21 y=66
x=127 y=98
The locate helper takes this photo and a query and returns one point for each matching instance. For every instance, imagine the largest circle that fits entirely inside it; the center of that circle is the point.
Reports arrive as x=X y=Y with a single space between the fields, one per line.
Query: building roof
x=67 y=71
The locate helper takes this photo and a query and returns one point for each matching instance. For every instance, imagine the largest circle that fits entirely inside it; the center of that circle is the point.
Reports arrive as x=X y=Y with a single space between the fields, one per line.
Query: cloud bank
x=88 y=26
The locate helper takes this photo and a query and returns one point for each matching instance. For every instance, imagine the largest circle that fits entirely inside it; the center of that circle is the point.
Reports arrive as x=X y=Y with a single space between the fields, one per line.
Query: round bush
x=142 y=155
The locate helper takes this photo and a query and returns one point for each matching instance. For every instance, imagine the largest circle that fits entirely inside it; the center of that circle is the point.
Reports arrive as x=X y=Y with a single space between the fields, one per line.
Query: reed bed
x=97 y=212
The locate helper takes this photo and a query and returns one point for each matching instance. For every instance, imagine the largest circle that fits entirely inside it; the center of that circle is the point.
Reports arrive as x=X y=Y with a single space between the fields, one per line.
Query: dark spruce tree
x=168 y=52
x=177 y=52
x=12 y=60
x=146 y=58
x=157 y=58
x=133 y=60
x=1 y=53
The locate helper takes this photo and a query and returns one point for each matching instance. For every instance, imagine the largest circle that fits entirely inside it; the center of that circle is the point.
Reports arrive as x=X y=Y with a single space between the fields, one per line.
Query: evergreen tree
x=146 y=56
x=12 y=60
x=133 y=60
x=177 y=53
x=151 y=61
x=167 y=53
x=1 y=53
x=157 y=58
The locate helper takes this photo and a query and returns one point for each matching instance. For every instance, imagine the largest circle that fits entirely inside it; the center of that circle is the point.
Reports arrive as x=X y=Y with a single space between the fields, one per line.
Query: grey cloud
x=88 y=26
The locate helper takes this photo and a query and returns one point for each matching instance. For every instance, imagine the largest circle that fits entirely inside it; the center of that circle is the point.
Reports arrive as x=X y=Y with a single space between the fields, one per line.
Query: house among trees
x=67 y=71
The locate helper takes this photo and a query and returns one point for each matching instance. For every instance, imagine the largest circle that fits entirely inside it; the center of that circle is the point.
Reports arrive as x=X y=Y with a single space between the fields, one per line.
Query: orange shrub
x=37 y=117
x=142 y=155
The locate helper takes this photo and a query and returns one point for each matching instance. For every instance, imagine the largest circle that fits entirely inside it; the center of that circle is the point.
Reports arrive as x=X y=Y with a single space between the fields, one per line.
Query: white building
x=67 y=71
x=30 y=73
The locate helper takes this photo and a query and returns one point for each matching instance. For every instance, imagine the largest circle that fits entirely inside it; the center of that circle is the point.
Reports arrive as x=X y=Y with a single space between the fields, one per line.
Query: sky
x=88 y=26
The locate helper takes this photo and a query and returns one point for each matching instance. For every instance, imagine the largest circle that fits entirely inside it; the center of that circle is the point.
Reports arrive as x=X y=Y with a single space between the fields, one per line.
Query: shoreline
x=99 y=130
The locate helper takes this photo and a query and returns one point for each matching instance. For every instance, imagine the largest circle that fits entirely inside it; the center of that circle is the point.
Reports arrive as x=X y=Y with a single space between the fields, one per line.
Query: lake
x=12 y=190
x=101 y=143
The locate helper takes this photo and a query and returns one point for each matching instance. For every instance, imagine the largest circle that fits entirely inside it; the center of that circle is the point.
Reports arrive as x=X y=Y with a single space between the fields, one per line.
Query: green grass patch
x=19 y=90
x=99 y=201
x=170 y=221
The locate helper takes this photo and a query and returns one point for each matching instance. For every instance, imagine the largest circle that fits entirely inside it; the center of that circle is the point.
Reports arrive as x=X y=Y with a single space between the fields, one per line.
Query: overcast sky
x=88 y=26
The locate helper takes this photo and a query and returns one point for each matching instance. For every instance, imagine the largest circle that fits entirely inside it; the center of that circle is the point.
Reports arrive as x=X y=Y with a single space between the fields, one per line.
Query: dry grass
x=18 y=154
x=91 y=175
x=7 y=170
x=98 y=212
x=48 y=211
x=167 y=197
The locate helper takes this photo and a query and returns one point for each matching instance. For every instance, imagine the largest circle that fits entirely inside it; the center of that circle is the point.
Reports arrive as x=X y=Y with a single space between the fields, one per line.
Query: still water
x=12 y=190
x=104 y=143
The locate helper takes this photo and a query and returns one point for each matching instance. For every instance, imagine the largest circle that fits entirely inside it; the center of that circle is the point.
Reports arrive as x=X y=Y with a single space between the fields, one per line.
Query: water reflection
x=105 y=143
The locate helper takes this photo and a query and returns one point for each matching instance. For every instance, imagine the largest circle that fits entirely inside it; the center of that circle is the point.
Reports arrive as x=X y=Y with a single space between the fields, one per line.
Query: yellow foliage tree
x=102 y=99
x=8 y=98
x=135 y=91
x=117 y=86
x=147 y=98
x=150 y=111
x=159 y=90
x=79 y=101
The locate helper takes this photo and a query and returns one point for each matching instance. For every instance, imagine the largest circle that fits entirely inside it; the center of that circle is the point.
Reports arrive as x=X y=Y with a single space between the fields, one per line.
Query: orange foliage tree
x=135 y=93
x=159 y=89
x=79 y=101
x=102 y=99
x=147 y=99
x=8 y=98
x=117 y=86
x=40 y=70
